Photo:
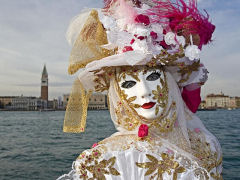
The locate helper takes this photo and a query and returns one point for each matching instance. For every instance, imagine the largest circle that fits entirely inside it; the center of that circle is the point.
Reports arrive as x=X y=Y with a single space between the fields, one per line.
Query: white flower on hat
x=157 y=28
x=118 y=39
x=140 y=45
x=112 y=37
x=170 y=38
x=181 y=40
x=108 y=22
x=192 y=52
x=138 y=30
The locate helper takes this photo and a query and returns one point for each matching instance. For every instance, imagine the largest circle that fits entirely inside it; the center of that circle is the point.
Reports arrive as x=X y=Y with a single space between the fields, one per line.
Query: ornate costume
x=145 y=55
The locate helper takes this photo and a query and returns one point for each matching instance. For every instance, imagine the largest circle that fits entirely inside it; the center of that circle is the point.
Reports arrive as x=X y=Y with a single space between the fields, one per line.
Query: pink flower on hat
x=163 y=44
x=142 y=19
x=153 y=35
x=141 y=38
x=127 y=48
x=132 y=41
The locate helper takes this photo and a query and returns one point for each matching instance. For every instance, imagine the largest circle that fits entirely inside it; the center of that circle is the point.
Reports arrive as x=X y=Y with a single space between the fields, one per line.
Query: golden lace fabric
x=87 y=46
x=76 y=112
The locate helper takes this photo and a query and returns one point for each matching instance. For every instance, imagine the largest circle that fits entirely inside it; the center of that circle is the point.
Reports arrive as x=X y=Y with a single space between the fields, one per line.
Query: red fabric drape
x=192 y=98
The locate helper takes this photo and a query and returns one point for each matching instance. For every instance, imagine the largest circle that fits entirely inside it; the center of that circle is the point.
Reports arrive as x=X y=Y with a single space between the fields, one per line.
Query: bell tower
x=44 y=84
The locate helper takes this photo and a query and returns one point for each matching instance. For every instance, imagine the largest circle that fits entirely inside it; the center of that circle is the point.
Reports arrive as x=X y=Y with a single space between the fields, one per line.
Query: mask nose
x=144 y=90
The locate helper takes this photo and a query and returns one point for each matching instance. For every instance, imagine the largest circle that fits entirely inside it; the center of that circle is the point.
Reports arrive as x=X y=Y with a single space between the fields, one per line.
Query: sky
x=32 y=33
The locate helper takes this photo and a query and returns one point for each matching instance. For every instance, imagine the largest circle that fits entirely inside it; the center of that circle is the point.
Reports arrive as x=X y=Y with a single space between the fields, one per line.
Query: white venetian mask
x=145 y=89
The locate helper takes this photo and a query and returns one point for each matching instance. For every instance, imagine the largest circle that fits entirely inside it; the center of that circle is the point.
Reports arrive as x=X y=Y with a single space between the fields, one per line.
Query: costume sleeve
x=192 y=98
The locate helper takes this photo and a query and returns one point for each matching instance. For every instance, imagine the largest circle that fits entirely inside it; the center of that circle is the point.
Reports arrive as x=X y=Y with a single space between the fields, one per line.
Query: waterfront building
x=222 y=101
x=53 y=104
x=44 y=84
x=97 y=101
x=217 y=101
x=24 y=103
x=202 y=105
x=60 y=103
x=6 y=102
x=232 y=102
x=238 y=102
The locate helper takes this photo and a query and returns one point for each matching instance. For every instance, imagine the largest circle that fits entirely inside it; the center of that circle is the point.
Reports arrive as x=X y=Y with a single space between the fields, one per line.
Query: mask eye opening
x=128 y=84
x=153 y=76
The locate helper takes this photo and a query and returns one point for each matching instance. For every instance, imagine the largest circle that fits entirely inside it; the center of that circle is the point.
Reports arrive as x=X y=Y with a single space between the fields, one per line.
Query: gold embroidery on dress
x=98 y=168
x=216 y=176
x=165 y=123
x=121 y=142
x=125 y=117
x=166 y=165
x=202 y=150
x=125 y=142
x=186 y=162
x=201 y=173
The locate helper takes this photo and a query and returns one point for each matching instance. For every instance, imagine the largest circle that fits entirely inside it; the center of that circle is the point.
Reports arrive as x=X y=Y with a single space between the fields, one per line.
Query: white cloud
x=9 y=51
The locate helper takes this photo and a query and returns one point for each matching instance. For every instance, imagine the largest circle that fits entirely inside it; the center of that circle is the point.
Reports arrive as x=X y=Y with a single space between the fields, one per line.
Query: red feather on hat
x=184 y=19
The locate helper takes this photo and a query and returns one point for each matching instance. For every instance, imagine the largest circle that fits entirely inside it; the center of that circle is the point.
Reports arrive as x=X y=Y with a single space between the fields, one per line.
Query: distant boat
x=207 y=109
x=45 y=110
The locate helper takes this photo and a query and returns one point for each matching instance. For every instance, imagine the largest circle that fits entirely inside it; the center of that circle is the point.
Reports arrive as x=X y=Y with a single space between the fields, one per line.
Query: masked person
x=145 y=55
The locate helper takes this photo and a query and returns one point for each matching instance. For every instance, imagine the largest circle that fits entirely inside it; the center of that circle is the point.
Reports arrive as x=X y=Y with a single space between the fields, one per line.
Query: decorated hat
x=131 y=33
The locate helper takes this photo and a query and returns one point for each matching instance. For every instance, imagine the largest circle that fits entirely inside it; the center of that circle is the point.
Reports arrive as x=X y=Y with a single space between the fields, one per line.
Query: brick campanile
x=44 y=84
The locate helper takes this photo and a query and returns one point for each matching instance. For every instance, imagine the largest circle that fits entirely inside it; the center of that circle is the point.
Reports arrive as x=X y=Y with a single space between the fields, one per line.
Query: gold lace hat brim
x=87 y=47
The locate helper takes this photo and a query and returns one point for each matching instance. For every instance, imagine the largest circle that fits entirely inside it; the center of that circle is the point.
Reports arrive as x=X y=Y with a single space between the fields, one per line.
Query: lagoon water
x=33 y=146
